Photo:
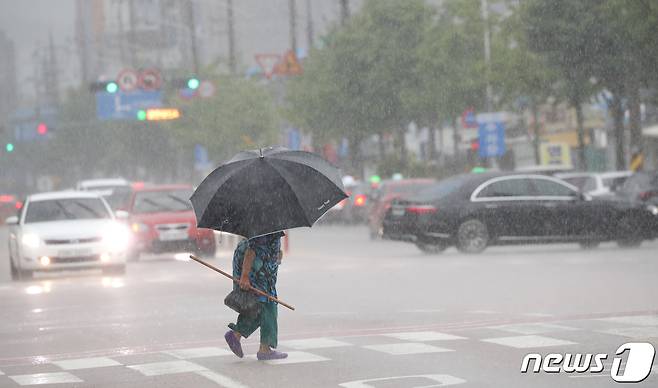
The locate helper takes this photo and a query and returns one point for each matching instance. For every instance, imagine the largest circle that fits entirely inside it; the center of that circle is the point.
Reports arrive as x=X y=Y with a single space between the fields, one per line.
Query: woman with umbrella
x=257 y=194
x=255 y=263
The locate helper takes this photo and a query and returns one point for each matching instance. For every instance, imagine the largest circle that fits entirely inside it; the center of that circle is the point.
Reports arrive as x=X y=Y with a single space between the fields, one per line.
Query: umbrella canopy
x=267 y=190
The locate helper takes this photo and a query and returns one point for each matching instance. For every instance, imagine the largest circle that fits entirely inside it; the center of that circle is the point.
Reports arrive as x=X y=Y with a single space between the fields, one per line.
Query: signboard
x=555 y=154
x=128 y=80
x=206 y=89
x=159 y=114
x=150 y=79
x=201 y=161
x=268 y=63
x=491 y=133
x=469 y=119
x=289 y=65
x=120 y=105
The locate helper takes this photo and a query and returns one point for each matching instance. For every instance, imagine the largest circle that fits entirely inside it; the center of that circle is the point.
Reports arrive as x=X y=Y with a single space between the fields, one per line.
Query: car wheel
x=430 y=248
x=13 y=270
x=25 y=274
x=472 y=236
x=628 y=230
x=114 y=270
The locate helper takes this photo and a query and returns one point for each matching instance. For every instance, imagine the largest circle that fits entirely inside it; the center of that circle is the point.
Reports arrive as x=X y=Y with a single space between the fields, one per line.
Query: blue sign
x=122 y=105
x=491 y=133
x=294 y=139
x=201 y=161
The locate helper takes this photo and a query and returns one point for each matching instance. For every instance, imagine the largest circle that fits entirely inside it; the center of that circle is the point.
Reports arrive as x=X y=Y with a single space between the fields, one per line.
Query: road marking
x=532 y=328
x=421 y=336
x=1 y=373
x=86 y=363
x=528 y=341
x=633 y=332
x=295 y=358
x=314 y=343
x=443 y=380
x=46 y=378
x=407 y=348
x=222 y=380
x=209 y=351
x=483 y=312
x=637 y=320
x=167 y=368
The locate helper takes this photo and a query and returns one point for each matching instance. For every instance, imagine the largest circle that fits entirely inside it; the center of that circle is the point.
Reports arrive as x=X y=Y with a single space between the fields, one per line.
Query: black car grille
x=73 y=241
x=80 y=259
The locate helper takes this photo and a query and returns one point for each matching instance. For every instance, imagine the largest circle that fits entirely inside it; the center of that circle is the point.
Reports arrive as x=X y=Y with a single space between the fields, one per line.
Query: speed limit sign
x=150 y=79
x=128 y=80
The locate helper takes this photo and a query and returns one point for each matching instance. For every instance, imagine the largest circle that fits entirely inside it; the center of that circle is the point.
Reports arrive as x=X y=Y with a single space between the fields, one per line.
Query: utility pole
x=309 y=25
x=231 y=36
x=487 y=53
x=193 y=47
x=133 y=37
x=122 y=50
x=293 y=25
x=82 y=40
x=344 y=11
x=51 y=73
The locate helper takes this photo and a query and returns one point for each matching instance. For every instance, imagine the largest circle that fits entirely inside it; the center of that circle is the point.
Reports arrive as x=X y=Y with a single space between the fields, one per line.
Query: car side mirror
x=121 y=215
x=13 y=220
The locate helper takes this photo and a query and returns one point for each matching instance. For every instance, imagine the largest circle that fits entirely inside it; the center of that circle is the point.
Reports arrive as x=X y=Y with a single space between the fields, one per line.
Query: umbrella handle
x=251 y=288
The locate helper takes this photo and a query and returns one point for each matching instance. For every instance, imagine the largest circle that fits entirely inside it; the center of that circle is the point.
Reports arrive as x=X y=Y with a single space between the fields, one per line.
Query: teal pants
x=266 y=320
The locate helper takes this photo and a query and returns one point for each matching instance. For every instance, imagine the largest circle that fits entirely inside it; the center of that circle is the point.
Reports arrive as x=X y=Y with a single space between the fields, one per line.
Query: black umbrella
x=267 y=190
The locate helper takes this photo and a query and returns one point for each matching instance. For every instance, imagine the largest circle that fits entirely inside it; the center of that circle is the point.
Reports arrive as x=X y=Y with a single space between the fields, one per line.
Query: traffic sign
x=207 y=89
x=491 y=133
x=289 y=65
x=468 y=119
x=150 y=79
x=123 y=105
x=128 y=80
x=268 y=63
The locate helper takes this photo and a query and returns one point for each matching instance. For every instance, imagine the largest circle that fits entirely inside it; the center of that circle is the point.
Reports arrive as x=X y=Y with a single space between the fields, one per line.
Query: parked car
x=162 y=220
x=66 y=230
x=474 y=211
x=596 y=183
x=9 y=206
x=385 y=193
x=116 y=191
x=641 y=186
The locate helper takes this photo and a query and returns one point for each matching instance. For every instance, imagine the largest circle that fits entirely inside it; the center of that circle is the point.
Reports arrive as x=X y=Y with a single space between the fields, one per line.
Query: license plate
x=173 y=235
x=397 y=211
x=74 y=253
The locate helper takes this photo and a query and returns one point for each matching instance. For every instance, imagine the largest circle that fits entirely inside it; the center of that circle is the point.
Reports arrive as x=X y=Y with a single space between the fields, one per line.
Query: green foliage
x=240 y=115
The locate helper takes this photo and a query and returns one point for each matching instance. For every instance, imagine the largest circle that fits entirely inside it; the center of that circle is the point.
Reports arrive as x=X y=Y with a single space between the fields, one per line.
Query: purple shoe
x=271 y=355
x=233 y=343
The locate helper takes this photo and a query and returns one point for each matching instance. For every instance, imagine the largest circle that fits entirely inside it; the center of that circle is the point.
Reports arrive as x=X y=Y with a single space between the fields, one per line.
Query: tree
x=353 y=87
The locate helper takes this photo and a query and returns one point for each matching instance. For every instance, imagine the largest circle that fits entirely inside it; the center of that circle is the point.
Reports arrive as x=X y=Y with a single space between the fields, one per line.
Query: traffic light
x=9 y=147
x=42 y=129
x=193 y=83
x=141 y=115
x=104 y=86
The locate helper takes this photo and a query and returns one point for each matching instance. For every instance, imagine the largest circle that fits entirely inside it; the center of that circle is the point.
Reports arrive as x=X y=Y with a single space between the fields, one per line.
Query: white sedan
x=66 y=230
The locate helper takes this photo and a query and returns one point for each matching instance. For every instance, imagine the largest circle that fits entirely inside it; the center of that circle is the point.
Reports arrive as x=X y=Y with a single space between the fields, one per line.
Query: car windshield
x=583 y=183
x=66 y=210
x=441 y=189
x=162 y=201
x=118 y=198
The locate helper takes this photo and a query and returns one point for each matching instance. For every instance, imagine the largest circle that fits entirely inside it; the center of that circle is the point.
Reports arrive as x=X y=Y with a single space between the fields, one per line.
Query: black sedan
x=474 y=211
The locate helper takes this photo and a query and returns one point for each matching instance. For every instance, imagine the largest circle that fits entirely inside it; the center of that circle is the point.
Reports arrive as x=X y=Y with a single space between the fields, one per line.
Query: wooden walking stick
x=255 y=290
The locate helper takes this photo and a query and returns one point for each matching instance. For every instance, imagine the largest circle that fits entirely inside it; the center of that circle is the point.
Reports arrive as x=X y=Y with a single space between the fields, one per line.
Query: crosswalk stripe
x=222 y=380
x=167 y=368
x=314 y=343
x=407 y=348
x=46 y=378
x=86 y=363
x=528 y=341
x=209 y=351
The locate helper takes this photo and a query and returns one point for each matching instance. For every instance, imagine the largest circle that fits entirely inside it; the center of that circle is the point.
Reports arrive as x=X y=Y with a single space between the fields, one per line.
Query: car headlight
x=31 y=240
x=653 y=209
x=138 y=227
x=116 y=237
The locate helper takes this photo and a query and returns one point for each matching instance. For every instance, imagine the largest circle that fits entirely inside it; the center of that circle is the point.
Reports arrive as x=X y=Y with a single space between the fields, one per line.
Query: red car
x=383 y=196
x=162 y=220
x=9 y=206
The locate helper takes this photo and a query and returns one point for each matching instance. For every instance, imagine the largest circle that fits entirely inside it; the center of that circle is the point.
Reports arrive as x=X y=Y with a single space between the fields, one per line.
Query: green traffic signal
x=111 y=87
x=193 y=83
x=9 y=147
x=141 y=115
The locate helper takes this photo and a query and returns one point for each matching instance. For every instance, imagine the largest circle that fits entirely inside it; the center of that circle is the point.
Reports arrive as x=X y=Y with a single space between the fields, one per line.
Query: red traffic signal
x=42 y=129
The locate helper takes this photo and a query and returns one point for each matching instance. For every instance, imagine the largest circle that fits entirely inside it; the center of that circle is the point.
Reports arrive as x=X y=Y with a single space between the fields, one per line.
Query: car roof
x=607 y=174
x=163 y=187
x=51 y=195
x=104 y=182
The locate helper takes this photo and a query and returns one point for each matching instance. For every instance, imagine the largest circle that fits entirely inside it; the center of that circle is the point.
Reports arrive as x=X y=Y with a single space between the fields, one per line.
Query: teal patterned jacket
x=266 y=265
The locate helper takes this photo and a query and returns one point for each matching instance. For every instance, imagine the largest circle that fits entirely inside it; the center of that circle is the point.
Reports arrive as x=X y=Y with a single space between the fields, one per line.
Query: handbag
x=243 y=302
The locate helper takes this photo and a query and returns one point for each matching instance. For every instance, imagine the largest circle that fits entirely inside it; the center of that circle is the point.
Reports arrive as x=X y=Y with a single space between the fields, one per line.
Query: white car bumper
x=70 y=256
